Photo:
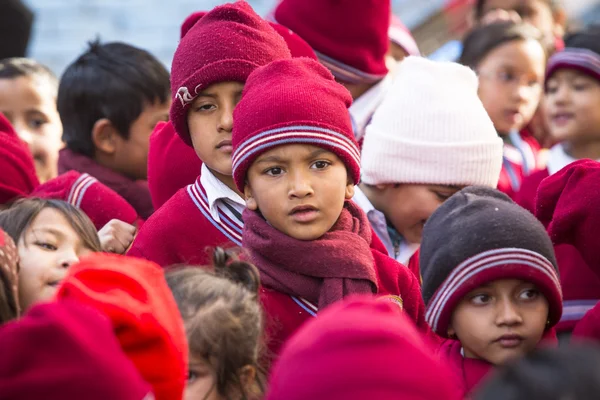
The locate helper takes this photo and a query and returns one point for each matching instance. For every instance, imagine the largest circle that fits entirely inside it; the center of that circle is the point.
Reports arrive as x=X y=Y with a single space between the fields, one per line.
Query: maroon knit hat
x=350 y=37
x=298 y=46
x=66 y=351
x=100 y=203
x=190 y=21
x=292 y=101
x=360 y=348
x=226 y=44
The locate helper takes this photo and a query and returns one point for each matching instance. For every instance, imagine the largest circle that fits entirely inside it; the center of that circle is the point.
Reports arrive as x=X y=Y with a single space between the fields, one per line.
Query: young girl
x=28 y=93
x=224 y=326
x=490 y=282
x=51 y=235
x=510 y=61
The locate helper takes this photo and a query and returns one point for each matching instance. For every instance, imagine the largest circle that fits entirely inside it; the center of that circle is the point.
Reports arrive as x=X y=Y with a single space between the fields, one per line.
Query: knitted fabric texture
x=292 y=101
x=432 y=129
x=477 y=236
x=224 y=45
x=582 y=53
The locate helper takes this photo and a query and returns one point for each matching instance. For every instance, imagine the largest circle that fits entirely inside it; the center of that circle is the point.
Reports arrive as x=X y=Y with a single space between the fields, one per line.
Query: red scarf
x=321 y=271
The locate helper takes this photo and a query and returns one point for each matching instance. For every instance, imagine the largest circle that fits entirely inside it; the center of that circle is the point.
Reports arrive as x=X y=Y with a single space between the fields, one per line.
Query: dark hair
x=12 y=68
x=17 y=218
x=223 y=318
x=9 y=302
x=479 y=7
x=569 y=372
x=588 y=38
x=113 y=81
x=483 y=39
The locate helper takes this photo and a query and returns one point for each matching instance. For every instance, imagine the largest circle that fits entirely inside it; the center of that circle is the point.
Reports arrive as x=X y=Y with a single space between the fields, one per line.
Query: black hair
x=12 y=68
x=223 y=319
x=480 y=4
x=483 y=39
x=569 y=372
x=588 y=38
x=114 y=81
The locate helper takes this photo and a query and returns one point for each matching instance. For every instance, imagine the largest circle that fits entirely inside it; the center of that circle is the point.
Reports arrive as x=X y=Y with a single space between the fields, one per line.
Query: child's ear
x=560 y=22
x=248 y=377
x=349 y=190
x=105 y=136
x=250 y=201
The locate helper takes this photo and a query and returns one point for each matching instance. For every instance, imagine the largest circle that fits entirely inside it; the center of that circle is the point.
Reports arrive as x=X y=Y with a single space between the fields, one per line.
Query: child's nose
x=226 y=121
x=507 y=313
x=68 y=259
x=300 y=186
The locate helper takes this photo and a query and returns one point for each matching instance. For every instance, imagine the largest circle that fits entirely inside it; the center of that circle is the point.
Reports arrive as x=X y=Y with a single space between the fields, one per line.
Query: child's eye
x=505 y=76
x=192 y=376
x=274 y=171
x=580 y=86
x=529 y=294
x=46 y=246
x=551 y=89
x=442 y=196
x=320 y=164
x=481 y=299
x=37 y=123
x=205 y=107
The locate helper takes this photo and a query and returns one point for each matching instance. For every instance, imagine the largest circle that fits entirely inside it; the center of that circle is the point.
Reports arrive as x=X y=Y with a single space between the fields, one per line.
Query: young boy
x=296 y=160
x=109 y=101
x=28 y=93
x=442 y=141
x=352 y=41
x=571 y=106
x=490 y=282
x=208 y=76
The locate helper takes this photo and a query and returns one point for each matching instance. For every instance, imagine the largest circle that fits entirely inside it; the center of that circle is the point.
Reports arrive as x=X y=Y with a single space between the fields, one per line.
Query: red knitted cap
x=359 y=349
x=298 y=46
x=100 y=203
x=66 y=351
x=292 y=101
x=191 y=21
x=134 y=295
x=225 y=45
x=350 y=37
x=17 y=168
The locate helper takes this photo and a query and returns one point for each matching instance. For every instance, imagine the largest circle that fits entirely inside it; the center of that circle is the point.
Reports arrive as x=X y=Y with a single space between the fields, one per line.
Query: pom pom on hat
x=292 y=101
x=226 y=44
x=432 y=128
x=298 y=46
x=190 y=21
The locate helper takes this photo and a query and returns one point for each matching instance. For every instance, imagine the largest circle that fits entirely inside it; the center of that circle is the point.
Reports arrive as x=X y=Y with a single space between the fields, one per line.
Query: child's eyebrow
x=269 y=159
x=50 y=230
x=317 y=153
x=204 y=94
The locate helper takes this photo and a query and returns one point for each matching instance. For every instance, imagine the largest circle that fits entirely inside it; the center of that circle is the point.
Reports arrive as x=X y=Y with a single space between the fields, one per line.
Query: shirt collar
x=217 y=191
x=558 y=159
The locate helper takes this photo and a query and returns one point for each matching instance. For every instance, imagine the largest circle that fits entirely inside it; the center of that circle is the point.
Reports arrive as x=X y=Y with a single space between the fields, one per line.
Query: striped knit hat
x=477 y=236
x=350 y=37
x=582 y=52
x=288 y=102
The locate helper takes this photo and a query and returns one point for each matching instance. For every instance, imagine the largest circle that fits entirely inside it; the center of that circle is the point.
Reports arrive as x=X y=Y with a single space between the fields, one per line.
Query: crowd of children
x=306 y=208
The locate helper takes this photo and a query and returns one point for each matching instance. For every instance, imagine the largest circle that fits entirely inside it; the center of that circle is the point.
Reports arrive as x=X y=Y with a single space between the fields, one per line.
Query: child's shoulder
x=528 y=190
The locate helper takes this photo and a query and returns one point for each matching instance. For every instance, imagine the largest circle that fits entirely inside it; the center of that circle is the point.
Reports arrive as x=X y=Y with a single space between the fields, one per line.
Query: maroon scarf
x=135 y=192
x=322 y=271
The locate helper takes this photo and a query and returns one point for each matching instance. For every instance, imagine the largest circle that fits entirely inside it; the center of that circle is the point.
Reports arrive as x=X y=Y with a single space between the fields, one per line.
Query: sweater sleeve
x=153 y=242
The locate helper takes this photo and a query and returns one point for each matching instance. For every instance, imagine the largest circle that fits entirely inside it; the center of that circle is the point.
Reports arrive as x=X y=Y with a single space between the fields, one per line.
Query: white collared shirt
x=379 y=225
x=218 y=193
x=558 y=159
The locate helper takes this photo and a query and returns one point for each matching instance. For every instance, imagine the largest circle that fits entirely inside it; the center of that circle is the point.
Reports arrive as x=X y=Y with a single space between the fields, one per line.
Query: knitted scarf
x=321 y=271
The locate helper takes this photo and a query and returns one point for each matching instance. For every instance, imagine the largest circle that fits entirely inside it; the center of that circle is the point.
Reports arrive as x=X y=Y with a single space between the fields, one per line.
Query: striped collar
x=217 y=192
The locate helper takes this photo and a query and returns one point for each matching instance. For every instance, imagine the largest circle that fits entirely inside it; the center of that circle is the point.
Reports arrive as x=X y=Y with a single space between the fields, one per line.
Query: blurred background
x=62 y=27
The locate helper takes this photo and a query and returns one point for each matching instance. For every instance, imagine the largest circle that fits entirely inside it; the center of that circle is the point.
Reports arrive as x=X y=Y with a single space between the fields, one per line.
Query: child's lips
x=509 y=341
x=225 y=145
x=561 y=119
x=304 y=214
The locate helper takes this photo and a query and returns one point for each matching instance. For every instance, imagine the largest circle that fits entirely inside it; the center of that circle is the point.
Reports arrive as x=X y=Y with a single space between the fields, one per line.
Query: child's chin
x=305 y=234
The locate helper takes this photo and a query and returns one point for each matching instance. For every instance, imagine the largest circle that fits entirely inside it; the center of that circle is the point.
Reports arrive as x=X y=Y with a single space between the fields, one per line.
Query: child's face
x=502 y=320
x=300 y=189
x=408 y=206
x=30 y=106
x=510 y=83
x=201 y=383
x=46 y=249
x=572 y=106
x=210 y=121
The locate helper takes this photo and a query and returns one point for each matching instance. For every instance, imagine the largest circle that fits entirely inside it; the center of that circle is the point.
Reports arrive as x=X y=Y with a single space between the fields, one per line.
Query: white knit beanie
x=431 y=128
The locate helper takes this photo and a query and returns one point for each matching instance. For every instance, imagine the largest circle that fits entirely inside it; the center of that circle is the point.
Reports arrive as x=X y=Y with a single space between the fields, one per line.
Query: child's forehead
x=294 y=151
x=35 y=88
x=224 y=88
x=508 y=284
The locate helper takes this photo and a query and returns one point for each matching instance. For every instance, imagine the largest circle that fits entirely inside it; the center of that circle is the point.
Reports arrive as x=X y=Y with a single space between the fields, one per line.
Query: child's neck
x=227 y=180
x=583 y=149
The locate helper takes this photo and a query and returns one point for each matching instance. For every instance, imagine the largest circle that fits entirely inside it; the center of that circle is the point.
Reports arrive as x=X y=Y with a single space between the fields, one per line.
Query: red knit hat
x=226 y=44
x=298 y=46
x=17 y=169
x=83 y=191
x=359 y=349
x=292 y=101
x=66 y=351
x=568 y=204
x=190 y=21
x=134 y=295
x=350 y=37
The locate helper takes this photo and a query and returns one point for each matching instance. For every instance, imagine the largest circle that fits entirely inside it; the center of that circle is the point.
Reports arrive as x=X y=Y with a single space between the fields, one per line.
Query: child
x=567 y=205
x=414 y=160
x=510 y=60
x=353 y=351
x=490 y=282
x=572 y=108
x=9 y=279
x=569 y=372
x=351 y=40
x=208 y=76
x=295 y=158
x=107 y=126
x=66 y=351
x=18 y=177
x=50 y=235
x=134 y=296
x=224 y=326
x=28 y=93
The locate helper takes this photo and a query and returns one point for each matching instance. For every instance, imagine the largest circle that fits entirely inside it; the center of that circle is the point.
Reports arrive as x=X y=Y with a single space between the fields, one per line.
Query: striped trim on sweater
x=79 y=188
